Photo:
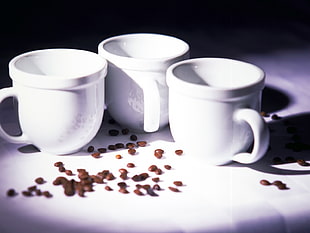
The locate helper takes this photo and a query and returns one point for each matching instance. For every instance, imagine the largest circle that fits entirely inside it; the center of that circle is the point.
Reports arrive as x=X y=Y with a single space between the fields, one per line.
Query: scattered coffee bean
x=118 y=156
x=265 y=182
x=69 y=189
x=119 y=145
x=179 y=152
x=158 y=153
x=264 y=114
x=168 y=167
x=27 y=193
x=158 y=171
x=133 y=137
x=156 y=187
x=130 y=145
x=178 y=183
x=125 y=131
x=60 y=180
x=152 y=168
x=69 y=172
x=11 y=193
x=39 y=180
x=90 y=149
x=275 y=117
x=96 y=155
x=302 y=162
x=32 y=188
x=142 y=143
x=123 y=170
x=113 y=132
x=111 y=147
x=132 y=151
x=138 y=192
x=102 y=150
x=123 y=190
x=156 y=179
x=131 y=165
x=47 y=194
x=38 y=192
x=140 y=177
x=110 y=176
x=58 y=164
x=108 y=188
x=124 y=176
x=173 y=189
x=122 y=184
x=61 y=169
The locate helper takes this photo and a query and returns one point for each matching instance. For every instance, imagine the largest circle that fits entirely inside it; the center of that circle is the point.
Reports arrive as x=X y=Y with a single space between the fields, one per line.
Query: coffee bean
x=108 y=188
x=69 y=189
x=102 y=150
x=168 y=167
x=47 y=194
x=265 y=182
x=158 y=171
x=69 y=172
x=156 y=187
x=125 y=131
x=58 y=164
x=282 y=186
x=90 y=149
x=130 y=145
x=277 y=182
x=140 y=177
x=110 y=176
x=60 y=180
x=118 y=156
x=123 y=170
x=11 y=193
x=32 y=188
x=275 y=117
x=264 y=114
x=132 y=151
x=111 y=147
x=124 y=176
x=179 y=152
x=119 y=145
x=61 y=169
x=178 y=183
x=123 y=190
x=133 y=137
x=113 y=132
x=156 y=179
x=96 y=155
x=131 y=165
x=38 y=192
x=142 y=143
x=302 y=162
x=138 y=192
x=122 y=184
x=39 y=180
x=27 y=193
x=158 y=153
x=152 y=168
x=173 y=189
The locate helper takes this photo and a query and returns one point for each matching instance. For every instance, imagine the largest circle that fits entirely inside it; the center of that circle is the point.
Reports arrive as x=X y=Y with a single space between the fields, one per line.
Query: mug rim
x=136 y=63
x=208 y=92
x=56 y=81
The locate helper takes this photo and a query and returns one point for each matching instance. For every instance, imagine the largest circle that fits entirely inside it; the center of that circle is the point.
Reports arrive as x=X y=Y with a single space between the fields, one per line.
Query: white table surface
x=213 y=198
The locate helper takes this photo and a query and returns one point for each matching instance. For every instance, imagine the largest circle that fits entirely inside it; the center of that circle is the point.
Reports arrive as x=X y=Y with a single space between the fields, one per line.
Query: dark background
x=30 y=25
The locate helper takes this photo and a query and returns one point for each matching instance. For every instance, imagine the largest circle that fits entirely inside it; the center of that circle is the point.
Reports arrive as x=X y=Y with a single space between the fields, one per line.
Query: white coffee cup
x=214 y=106
x=136 y=90
x=60 y=98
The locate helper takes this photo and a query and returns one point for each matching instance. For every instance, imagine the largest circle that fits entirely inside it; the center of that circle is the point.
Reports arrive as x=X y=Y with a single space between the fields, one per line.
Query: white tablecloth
x=213 y=198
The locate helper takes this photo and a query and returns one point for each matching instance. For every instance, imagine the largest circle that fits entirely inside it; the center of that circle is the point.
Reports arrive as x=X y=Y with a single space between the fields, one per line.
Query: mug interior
x=145 y=46
x=218 y=73
x=61 y=63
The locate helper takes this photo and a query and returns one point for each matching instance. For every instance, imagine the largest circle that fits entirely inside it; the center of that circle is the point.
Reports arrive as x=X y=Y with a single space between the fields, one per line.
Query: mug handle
x=260 y=132
x=151 y=106
x=4 y=94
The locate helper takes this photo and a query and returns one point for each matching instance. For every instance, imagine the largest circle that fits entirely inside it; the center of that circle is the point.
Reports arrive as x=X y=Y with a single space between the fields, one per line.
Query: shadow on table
x=274 y=100
x=289 y=141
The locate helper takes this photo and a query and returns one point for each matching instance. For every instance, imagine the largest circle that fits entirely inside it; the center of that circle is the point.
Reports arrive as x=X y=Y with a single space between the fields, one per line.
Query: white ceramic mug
x=214 y=106
x=60 y=98
x=136 y=90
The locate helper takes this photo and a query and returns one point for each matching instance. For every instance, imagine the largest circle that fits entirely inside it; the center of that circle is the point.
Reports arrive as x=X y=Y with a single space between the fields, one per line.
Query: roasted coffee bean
x=27 y=193
x=123 y=190
x=277 y=182
x=47 y=194
x=151 y=192
x=118 y=156
x=275 y=117
x=108 y=188
x=123 y=170
x=102 y=150
x=90 y=149
x=60 y=180
x=302 y=162
x=282 y=186
x=113 y=132
x=111 y=147
x=124 y=176
x=58 y=164
x=158 y=171
x=69 y=189
x=138 y=192
x=139 y=186
x=122 y=184
x=140 y=177
x=173 y=189
x=152 y=168
x=11 y=193
x=179 y=152
x=142 y=143
x=32 y=188
x=119 y=145
x=178 y=183
x=146 y=186
x=168 y=167
x=69 y=172
x=110 y=176
x=161 y=151
x=39 y=180
x=156 y=179
x=133 y=137
x=98 y=179
x=131 y=165
x=96 y=155
x=132 y=151
x=156 y=187
x=61 y=169
x=158 y=153
x=130 y=145
x=265 y=182
x=125 y=131
x=264 y=114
